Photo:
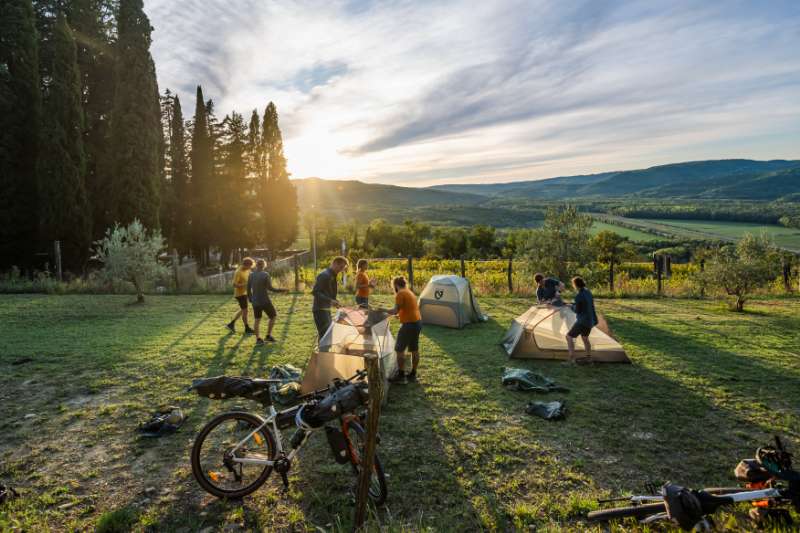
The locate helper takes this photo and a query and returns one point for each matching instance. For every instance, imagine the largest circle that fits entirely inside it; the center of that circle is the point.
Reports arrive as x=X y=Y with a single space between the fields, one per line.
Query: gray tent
x=448 y=301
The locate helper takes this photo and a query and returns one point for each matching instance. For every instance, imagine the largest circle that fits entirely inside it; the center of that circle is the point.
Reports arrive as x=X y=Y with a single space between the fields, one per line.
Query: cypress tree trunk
x=62 y=165
x=20 y=129
x=136 y=123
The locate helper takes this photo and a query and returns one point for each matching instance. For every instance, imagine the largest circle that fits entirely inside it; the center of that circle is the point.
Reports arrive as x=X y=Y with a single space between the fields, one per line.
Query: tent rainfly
x=540 y=333
x=448 y=301
x=353 y=334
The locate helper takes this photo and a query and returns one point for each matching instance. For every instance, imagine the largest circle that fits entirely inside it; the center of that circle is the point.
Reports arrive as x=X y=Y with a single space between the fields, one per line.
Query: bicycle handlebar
x=360 y=374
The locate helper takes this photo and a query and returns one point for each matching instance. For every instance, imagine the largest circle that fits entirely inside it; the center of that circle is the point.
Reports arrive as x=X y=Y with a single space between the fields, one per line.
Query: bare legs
x=571 y=346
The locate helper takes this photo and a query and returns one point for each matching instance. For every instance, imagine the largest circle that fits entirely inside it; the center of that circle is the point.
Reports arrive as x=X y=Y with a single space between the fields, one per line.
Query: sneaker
x=400 y=377
x=259 y=342
x=229 y=327
x=248 y=330
x=270 y=338
x=412 y=376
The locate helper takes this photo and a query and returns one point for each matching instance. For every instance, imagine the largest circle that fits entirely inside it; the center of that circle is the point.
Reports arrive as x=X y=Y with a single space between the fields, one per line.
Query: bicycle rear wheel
x=212 y=455
x=636 y=511
x=377 y=487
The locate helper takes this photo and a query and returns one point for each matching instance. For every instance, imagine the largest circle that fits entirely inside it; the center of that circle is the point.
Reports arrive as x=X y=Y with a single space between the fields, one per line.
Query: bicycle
x=770 y=483
x=235 y=453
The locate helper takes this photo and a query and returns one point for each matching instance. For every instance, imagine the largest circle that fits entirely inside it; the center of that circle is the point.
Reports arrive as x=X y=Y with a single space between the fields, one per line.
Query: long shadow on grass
x=626 y=423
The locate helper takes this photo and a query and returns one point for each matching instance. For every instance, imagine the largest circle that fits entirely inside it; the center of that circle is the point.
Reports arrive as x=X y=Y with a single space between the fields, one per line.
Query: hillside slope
x=722 y=179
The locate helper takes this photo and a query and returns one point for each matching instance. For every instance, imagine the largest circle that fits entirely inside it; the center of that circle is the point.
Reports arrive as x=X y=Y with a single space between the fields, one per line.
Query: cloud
x=422 y=92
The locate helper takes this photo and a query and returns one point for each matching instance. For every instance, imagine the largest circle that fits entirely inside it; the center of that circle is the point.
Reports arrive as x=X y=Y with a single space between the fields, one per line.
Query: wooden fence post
x=368 y=457
x=463 y=268
x=410 y=272
x=57 y=253
x=611 y=275
x=659 y=270
x=510 y=274
x=786 y=266
x=296 y=273
x=175 y=269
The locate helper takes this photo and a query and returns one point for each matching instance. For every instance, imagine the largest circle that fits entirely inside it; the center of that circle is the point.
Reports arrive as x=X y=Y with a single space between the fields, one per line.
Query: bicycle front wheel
x=377 y=486
x=636 y=511
x=215 y=448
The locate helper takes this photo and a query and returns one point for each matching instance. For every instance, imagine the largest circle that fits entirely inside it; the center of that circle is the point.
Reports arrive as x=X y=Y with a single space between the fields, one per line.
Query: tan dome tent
x=353 y=333
x=448 y=301
x=539 y=333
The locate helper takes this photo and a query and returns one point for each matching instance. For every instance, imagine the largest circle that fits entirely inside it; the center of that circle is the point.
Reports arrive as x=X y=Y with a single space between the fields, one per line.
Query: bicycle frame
x=272 y=420
x=742 y=496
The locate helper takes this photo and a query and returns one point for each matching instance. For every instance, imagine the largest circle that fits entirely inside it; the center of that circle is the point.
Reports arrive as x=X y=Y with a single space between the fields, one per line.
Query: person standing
x=259 y=286
x=325 y=291
x=363 y=284
x=586 y=319
x=240 y=278
x=548 y=290
x=407 y=310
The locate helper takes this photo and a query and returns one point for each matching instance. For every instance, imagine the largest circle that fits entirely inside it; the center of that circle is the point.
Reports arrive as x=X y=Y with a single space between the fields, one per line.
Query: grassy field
x=630 y=233
x=785 y=237
x=707 y=386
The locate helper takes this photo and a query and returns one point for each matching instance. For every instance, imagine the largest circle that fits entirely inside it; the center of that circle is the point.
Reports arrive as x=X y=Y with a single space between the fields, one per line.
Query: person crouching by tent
x=586 y=319
x=258 y=287
x=325 y=291
x=363 y=284
x=407 y=310
x=240 y=278
x=548 y=290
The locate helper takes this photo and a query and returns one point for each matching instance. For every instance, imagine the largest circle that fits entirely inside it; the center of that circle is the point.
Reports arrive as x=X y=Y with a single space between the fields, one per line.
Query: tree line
x=87 y=142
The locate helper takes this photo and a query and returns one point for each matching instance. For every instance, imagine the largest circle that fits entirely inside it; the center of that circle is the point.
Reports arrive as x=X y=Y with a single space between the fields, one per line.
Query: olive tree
x=611 y=248
x=739 y=270
x=561 y=242
x=130 y=253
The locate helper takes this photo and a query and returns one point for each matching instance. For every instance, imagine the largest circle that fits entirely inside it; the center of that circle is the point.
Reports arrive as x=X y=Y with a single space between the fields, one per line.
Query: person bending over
x=240 y=278
x=363 y=284
x=548 y=290
x=586 y=319
x=407 y=310
x=258 y=287
x=325 y=291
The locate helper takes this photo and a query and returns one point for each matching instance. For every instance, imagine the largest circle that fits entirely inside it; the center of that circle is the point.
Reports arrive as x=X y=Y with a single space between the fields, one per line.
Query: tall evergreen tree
x=20 y=116
x=232 y=212
x=92 y=25
x=136 y=127
x=179 y=179
x=202 y=176
x=166 y=196
x=278 y=195
x=64 y=212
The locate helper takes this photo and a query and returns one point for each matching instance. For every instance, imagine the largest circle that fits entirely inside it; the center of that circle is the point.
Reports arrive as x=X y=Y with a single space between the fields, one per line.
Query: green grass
x=784 y=237
x=632 y=234
x=707 y=386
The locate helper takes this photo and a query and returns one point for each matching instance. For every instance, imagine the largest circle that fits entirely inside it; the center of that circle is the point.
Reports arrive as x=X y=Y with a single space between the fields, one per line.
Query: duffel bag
x=223 y=387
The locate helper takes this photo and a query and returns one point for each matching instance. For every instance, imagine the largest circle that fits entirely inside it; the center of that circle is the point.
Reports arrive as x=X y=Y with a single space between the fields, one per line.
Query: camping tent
x=353 y=333
x=448 y=301
x=539 y=333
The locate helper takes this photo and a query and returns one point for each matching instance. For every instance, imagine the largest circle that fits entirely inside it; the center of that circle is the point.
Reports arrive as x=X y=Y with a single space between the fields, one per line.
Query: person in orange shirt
x=407 y=310
x=363 y=283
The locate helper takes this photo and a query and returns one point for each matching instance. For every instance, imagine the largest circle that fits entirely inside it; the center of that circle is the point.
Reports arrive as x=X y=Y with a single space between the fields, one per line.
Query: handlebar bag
x=750 y=471
x=222 y=387
x=339 y=402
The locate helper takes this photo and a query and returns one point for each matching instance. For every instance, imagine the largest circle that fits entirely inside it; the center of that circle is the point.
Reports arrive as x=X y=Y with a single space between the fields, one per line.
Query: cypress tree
x=20 y=116
x=179 y=178
x=92 y=26
x=202 y=175
x=233 y=185
x=64 y=210
x=278 y=195
x=136 y=126
x=166 y=196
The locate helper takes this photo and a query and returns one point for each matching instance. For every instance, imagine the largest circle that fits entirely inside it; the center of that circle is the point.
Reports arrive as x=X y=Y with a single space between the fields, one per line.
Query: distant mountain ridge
x=715 y=179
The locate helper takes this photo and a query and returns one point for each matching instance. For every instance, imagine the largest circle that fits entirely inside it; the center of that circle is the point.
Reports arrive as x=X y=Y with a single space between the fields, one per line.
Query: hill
x=720 y=179
x=328 y=193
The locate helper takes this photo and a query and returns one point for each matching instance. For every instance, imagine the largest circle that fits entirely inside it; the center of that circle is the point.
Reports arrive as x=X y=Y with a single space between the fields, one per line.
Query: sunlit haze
x=425 y=92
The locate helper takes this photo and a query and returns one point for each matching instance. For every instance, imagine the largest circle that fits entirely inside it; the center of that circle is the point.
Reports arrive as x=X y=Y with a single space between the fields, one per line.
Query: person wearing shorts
x=363 y=284
x=240 y=278
x=258 y=287
x=586 y=319
x=407 y=310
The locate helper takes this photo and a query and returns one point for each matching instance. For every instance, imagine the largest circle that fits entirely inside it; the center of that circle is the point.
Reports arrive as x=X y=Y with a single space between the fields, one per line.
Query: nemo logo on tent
x=438 y=294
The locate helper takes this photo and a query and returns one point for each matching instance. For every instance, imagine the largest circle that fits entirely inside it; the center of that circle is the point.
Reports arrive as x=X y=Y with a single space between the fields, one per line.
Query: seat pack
x=223 y=387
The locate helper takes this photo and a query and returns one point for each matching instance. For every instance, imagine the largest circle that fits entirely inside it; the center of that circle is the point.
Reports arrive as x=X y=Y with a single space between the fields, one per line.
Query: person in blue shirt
x=548 y=290
x=586 y=319
x=325 y=292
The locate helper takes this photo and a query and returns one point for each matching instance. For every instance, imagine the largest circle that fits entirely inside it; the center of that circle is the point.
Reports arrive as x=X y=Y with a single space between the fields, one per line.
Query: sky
x=428 y=92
